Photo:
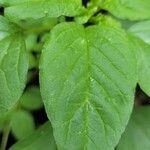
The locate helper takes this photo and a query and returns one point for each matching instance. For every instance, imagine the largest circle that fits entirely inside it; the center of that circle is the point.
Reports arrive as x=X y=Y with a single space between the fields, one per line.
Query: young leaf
x=22 y=124
x=13 y=65
x=36 y=9
x=137 y=134
x=40 y=139
x=31 y=99
x=128 y=9
x=141 y=30
x=87 y=84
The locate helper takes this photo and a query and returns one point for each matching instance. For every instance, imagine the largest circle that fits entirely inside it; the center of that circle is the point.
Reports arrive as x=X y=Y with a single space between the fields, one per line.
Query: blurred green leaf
x=41 y=139
x=4 y=119
x=141 y=30
x=22 y=124
x=137 y=133
x=31 y=99
x=128 y=9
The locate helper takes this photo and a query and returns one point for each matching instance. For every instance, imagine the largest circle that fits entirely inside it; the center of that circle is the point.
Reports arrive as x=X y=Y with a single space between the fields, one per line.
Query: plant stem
x=6 y=131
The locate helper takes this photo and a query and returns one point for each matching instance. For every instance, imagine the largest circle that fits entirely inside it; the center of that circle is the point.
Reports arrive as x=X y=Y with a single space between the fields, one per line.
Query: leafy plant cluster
x=81 y=61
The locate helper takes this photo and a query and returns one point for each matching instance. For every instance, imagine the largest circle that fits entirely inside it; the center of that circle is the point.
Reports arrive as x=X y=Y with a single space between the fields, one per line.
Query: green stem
x=5 y=136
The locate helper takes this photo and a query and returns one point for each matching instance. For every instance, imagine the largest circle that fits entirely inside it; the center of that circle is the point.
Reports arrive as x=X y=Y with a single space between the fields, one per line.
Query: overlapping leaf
x=13 y=65
x=36 y=9
x=40 y=139
x=128 y=9
x=138 y=128
x=87 y=81
x=142 y=30
x=22 y=124
x=140 y=40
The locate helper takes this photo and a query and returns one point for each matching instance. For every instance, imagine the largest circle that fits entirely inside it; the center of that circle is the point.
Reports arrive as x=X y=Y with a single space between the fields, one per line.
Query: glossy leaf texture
x=137 y=133
x=37 y=9
x=141 y=30
x=42 y=138
x=13 y=65
x=22 y=124
x=128 y=9
x=87 y=80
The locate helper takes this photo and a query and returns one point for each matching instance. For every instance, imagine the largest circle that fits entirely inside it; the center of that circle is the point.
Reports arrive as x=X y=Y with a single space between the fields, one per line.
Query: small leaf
x=87 y=80
x=31 y=99
x=128 y=9
x=137 y=133
x=22 y=124
x=40 y=139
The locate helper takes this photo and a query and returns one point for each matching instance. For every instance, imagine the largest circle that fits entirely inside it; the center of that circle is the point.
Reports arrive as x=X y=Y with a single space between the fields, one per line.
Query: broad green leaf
x=31 y=99
x=141 y=30
x=137 y=133
x=36 y=9
x=87 y=80
x=128 y=9
x=22 y=124
x=40 y=139
x=13 y=65
x=143 y=56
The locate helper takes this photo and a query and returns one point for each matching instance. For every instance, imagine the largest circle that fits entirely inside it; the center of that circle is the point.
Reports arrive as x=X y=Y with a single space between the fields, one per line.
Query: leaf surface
x=87 y=79
x=31 y=99
x=142 y=51
x=128 y=9
x=42 y=138
x=141 y=30
x=13 y=65
x=36 y=9
x=22 y=124
x=138 y=128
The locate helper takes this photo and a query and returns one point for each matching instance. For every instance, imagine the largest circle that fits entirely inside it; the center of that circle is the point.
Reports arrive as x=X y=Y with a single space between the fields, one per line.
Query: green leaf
x=137 y=134
x=141 y=41
x=128 y=9
x=6 y=28
x=36 y=9
x=141 y=30
x=4 y=120
x=40 y=139
x=87 y=80
x=13 y=65
x=31 y=99
x=22 y=124
x=143 y=56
